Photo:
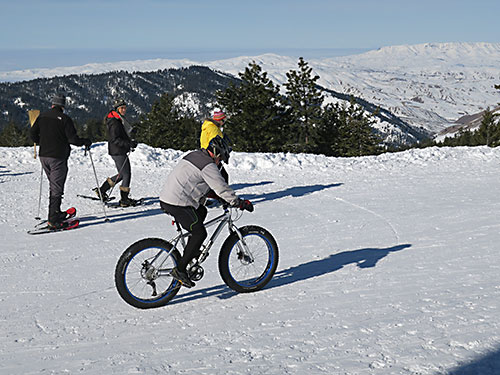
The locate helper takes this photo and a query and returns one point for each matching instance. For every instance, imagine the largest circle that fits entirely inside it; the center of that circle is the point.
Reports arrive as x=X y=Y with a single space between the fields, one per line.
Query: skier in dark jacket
x=120 y=144
x=54 y=131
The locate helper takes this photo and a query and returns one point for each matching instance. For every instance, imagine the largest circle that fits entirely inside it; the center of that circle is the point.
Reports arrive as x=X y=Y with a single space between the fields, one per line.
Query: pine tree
x=305 y=100
x=356 y=136
x=464 y=137
x=326 y=134
x=163 y=127
x=188 y=134
x=95 y=130
x=483 y=135
x=257 y=117
x=13 y=135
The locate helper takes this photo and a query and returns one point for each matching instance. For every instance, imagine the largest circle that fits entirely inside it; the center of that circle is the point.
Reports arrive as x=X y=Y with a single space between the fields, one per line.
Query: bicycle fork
x=244 y=253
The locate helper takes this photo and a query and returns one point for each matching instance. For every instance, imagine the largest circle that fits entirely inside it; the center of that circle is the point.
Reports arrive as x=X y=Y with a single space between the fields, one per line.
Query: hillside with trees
x=167 y=106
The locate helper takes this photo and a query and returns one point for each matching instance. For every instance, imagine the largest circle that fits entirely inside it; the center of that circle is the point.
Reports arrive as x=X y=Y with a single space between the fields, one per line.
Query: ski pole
x=33 y=115
x=118 y=176
x=40 y=194
x=97 y=181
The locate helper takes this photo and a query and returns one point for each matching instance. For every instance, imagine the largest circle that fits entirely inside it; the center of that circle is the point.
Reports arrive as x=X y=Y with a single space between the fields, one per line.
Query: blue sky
x=36 y=33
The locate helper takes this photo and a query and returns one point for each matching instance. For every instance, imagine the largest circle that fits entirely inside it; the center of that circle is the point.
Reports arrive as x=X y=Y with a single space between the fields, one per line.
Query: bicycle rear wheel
x=142 y=274
x=248 y=268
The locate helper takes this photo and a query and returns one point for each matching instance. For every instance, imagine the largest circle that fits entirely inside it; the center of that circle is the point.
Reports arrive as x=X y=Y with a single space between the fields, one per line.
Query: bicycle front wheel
x=247 y=266
x=142 y=274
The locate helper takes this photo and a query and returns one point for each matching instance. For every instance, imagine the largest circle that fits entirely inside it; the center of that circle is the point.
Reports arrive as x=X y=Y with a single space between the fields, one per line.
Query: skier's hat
x=59 y=100
x=219 y=115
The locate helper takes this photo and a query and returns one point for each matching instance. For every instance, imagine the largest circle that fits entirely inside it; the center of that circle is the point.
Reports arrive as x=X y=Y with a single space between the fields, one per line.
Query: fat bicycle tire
x=246 y=274
x=136 y=280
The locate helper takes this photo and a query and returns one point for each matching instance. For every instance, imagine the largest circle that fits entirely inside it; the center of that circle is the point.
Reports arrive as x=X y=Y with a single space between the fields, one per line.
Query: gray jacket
x=192 y=178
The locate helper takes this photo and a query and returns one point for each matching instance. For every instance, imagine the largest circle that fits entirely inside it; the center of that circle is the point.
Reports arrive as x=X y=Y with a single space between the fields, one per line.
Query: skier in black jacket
x=54 y=131
x=119 y=145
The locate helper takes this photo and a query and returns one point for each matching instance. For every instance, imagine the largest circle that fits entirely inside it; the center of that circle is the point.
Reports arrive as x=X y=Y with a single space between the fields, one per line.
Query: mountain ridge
x=90 y=97
x=155 y=64
x=428 y=86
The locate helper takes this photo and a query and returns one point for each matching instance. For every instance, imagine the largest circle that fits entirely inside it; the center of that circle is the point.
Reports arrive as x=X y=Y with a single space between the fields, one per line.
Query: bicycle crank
x=196 y=273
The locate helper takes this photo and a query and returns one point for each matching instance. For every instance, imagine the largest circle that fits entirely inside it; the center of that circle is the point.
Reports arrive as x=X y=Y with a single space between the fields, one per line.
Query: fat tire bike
x=248 y=259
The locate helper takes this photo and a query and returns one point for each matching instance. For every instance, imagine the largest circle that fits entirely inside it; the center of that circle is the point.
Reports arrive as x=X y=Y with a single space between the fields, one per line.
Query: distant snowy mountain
x=427 y=85
x=430 y=85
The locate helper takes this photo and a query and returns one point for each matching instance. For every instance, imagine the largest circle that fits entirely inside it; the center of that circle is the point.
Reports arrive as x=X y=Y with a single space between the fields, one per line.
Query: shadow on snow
x=363 y=258
x=296 y=191
x=117 y=214
x=7 y=172
x=488 y=363
x=245 y=185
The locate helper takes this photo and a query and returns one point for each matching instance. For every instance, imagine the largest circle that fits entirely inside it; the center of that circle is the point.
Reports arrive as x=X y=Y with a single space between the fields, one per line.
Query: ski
x=69 y=224
x=94 y=198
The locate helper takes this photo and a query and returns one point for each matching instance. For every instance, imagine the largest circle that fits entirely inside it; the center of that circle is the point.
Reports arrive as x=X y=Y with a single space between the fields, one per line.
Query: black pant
x=56 y=171
x=191 y=219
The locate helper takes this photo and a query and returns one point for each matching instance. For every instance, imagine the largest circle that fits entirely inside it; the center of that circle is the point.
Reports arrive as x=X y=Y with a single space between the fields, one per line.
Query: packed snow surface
x=388 y=265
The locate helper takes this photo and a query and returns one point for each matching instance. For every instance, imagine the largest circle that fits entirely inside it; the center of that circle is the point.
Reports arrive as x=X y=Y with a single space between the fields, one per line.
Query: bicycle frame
x=222 y=220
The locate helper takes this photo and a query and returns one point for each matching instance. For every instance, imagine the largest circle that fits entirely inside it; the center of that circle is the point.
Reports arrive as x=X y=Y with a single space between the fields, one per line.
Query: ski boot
x=102 y=192
x=125 y=200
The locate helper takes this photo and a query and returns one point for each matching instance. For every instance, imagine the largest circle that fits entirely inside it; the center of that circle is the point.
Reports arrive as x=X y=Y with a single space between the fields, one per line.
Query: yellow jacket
x=209 y=130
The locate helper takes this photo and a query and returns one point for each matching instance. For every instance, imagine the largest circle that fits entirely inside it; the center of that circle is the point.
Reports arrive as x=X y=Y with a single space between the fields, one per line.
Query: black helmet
x=219 y=147
x=118 y=103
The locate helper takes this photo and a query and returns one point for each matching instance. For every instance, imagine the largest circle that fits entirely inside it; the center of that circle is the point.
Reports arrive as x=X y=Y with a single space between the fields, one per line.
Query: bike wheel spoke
x=248 y=264
x=138 y=277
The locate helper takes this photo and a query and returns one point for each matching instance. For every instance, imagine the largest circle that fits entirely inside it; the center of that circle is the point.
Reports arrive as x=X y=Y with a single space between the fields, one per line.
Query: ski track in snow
x=376 y=214
x=388 y=265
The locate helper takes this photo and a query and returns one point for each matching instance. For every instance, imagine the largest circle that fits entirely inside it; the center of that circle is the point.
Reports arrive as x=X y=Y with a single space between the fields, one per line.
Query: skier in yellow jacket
x=210 y=129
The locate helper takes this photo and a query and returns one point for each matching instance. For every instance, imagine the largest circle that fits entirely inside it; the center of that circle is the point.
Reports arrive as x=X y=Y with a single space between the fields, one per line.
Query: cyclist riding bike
x=187 y=184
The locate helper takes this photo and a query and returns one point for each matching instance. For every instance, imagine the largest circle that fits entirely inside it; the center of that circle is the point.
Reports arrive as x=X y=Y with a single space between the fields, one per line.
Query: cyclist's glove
x=245 y=204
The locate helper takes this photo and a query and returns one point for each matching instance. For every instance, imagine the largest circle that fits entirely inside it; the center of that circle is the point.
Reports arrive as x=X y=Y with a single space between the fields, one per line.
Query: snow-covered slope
x=428 y=85
x=389 y=265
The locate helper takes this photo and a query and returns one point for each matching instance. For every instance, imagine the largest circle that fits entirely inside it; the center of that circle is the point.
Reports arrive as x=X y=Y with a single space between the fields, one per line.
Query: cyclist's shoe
x=182 y=277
